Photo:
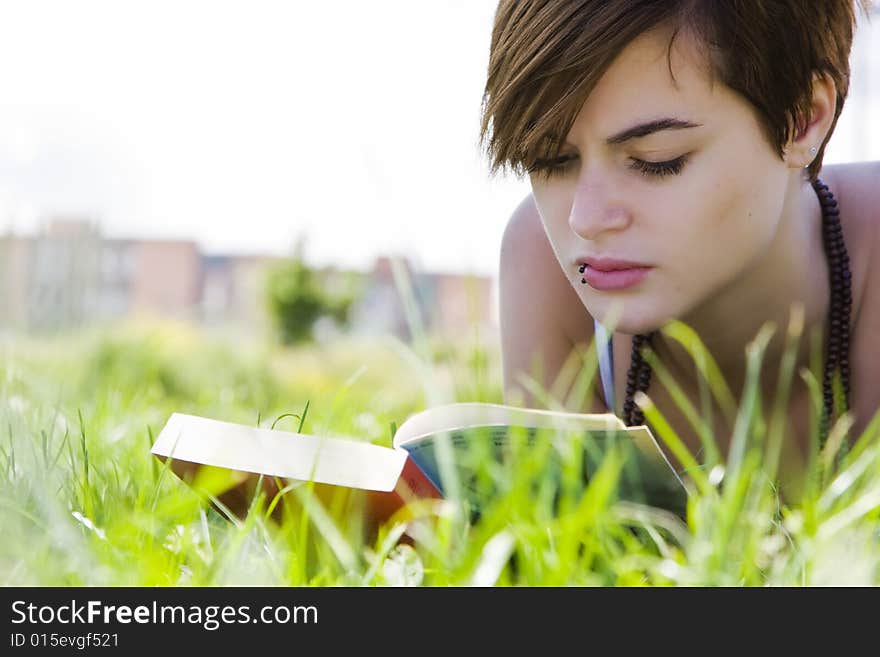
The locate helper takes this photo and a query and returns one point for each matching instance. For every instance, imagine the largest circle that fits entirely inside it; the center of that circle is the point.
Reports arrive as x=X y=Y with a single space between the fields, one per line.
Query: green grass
x=82 y=502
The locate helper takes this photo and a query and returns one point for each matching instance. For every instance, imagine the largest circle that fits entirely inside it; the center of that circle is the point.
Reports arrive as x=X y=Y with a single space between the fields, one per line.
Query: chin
x=636 y=327
x=632 y=318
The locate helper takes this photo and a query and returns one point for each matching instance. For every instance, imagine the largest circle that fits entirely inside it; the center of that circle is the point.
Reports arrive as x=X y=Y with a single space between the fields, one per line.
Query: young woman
x=674 y=151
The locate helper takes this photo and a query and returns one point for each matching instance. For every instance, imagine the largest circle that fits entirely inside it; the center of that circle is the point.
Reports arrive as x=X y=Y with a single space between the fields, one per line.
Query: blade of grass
x=745 y=417
x=282 y=416
x=154 y=468
x=575 y=378
x=783 y=389
x=845 y=480
x=588 y=361
x=857 y=509
x=813 y=480
x=86 y=485
x=10 y=457
x=304 y=414
x=868 y=437
x=835 y=442
x=387 y=541
x=703 y=429
x=673 y=442
x=445 y=456
x=342 y=550
x=706 y=364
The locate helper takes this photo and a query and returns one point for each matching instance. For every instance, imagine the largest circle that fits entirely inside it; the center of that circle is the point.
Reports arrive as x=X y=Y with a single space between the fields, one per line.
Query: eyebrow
x=649 y=128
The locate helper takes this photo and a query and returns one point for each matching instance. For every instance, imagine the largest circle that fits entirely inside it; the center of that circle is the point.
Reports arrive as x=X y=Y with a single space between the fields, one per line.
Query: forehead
x=647 y=80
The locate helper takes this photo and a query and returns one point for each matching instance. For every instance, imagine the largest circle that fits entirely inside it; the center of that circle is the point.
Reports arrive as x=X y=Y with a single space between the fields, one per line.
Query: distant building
x=460 y=302
x=52 y=281
x=233 y=290
x=15 y=257
x=69 y=276
x=444 y=303
x=167 y=278
x=380 y=308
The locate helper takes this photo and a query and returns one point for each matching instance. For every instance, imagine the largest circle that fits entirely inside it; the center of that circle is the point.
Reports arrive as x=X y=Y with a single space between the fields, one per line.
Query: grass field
x=82 y=502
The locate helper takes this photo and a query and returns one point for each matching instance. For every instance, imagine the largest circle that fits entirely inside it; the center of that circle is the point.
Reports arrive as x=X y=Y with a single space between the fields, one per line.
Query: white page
x=467 y=414
x=420 y=432
x=280 y=453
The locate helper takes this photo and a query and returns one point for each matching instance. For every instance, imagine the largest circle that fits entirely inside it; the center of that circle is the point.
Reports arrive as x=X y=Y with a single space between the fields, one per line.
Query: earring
x=813 y=150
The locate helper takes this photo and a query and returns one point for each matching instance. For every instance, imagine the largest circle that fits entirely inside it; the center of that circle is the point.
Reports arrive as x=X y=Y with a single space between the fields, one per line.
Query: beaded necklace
x=638 y=376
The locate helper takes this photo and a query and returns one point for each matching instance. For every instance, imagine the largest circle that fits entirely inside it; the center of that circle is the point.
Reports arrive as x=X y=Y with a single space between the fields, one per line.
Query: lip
x=609 y=274
x=610 y=264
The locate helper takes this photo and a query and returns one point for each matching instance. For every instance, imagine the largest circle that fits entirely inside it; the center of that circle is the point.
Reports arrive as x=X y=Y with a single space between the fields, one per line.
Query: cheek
x=695 y=259
x=745 y=223
x=719 y=234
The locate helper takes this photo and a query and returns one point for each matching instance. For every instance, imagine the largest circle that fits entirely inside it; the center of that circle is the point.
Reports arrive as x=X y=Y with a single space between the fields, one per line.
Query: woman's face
x=700 y=219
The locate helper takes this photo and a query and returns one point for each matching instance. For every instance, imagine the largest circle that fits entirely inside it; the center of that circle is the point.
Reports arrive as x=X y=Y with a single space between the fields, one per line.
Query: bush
x=298 y=296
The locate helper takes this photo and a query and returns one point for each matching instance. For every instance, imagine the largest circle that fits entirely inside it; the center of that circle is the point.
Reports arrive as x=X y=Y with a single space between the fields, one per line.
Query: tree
x=297 y=296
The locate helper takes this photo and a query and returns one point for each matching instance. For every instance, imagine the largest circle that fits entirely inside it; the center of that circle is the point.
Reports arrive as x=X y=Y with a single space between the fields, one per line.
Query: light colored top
x=606 y=364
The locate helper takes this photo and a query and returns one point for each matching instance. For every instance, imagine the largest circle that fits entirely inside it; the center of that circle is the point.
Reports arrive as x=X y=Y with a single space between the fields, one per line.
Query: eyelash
x=673 y=167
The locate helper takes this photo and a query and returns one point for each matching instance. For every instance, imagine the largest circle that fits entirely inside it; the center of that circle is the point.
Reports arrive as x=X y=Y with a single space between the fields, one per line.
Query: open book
x=435 y=452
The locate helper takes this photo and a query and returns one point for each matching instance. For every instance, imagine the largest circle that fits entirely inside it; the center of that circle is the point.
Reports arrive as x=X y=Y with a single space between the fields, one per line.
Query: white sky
x=245 y=124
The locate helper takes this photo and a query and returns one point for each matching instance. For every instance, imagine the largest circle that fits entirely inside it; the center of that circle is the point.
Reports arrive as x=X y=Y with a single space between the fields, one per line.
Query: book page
x=470 y=414
x=280 y=453
x=648 y=477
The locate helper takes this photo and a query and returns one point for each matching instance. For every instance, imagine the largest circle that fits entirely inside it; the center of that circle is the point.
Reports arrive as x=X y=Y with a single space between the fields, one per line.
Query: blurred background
x=269 y=213
x=265 y=167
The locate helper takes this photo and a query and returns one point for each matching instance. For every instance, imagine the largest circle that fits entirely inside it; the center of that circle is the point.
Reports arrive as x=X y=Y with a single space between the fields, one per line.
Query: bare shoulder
x=856 y=185
x=529 y=263
x=542 y=318
x=857 y=188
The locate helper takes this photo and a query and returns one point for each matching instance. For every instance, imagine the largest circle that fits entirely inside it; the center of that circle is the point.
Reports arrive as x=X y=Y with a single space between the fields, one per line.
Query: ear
x=803 y=148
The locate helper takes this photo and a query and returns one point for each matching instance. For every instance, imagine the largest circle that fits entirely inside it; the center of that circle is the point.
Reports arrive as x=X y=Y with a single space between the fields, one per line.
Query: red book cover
x=412 y=485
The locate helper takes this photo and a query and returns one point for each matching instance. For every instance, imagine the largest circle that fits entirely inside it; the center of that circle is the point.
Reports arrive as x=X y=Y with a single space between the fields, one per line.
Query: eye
x=659 y=169
x=552 y=168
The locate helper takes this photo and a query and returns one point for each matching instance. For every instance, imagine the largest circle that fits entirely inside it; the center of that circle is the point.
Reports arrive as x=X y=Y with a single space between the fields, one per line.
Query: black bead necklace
x=638 y=377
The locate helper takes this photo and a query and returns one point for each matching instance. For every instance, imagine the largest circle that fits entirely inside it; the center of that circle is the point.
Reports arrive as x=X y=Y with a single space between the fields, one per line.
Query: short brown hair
x=547 y=55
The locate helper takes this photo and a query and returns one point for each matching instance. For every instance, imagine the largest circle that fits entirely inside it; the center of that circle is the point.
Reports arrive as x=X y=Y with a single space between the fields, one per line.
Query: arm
x=543 y=322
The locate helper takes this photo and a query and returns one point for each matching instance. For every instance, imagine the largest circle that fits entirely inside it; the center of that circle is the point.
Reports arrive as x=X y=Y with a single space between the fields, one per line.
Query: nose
x=595 y=210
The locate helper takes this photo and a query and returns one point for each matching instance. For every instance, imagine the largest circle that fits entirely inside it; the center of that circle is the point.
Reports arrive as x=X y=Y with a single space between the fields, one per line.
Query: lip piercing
x=581 y=270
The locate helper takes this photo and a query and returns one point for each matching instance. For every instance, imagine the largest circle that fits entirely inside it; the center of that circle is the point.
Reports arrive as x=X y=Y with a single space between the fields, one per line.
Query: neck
x=793 y=271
